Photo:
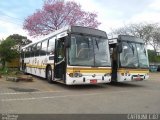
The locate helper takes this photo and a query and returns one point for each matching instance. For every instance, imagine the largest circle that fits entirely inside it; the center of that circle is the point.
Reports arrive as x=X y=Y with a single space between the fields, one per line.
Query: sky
x=111 y=13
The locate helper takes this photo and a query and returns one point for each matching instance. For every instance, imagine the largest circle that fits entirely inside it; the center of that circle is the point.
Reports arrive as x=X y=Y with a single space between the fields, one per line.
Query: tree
x=19 y=40
x=10 y=47
x=152 y=57
x=155 y=39
x=56 y=14
x=7 y=51
x=149 y=32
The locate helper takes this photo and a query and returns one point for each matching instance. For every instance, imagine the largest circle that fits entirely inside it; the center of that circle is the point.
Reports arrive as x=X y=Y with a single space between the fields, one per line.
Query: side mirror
x=119 y=47
x=67 y=42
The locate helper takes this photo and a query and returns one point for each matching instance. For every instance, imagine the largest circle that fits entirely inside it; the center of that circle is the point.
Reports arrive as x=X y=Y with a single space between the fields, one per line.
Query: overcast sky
x=111 y=13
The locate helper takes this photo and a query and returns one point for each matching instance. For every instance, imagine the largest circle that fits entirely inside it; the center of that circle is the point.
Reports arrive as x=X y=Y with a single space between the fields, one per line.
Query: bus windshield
x=88 y=51
x=133 y=55
x=142 y=56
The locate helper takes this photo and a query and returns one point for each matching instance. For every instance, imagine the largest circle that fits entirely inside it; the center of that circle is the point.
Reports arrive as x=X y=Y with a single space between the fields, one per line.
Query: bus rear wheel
x=49 y=74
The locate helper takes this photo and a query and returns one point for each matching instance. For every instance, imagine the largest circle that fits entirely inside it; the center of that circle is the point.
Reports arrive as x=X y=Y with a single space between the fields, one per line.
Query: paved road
x=41 y=97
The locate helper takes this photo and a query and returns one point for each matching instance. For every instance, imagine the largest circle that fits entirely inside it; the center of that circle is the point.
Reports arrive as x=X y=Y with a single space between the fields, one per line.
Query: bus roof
x=88 y=30
x=74 y=30
x=49 y=36
x=130 y=38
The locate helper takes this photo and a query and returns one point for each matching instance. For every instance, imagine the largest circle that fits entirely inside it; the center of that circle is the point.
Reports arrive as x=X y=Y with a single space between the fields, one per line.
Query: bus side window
x=51 y=46
x=38 y=49
x=43 y=50
x=33 y=49
x=27 y=53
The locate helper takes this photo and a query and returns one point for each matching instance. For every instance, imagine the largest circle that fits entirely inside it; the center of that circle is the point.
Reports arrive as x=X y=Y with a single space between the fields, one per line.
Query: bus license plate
x=93 y=81
x=138 y=78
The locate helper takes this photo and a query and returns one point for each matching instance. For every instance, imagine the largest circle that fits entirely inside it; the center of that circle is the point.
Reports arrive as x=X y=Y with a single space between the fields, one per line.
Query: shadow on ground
x=126 y=84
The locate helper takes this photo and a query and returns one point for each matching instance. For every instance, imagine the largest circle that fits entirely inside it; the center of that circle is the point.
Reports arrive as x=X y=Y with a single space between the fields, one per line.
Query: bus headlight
x=76 y=74
x=71 y=74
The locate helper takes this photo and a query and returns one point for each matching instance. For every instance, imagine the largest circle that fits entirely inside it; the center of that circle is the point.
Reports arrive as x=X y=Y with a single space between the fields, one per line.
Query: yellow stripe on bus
x=133 y=70
x=72 y=70
x=89 y=70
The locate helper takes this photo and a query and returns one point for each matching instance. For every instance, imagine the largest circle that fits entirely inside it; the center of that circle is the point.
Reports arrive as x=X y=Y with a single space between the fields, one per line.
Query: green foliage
x=21 y=40
x=153 y=57
x=9 y=71
x=8 y=51
x=158 y=58
x=10 y=47
x=3 y=71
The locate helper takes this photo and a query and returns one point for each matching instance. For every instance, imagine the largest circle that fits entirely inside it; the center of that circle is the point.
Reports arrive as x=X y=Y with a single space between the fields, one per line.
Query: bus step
x=57 y=79
x=60 y=81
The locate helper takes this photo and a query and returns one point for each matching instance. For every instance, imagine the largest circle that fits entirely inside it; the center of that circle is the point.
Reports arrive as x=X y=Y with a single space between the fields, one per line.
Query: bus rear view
x=129 y=59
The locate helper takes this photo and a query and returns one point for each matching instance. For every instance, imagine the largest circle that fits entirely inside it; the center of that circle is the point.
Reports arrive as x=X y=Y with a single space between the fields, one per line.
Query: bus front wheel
x=49 y=74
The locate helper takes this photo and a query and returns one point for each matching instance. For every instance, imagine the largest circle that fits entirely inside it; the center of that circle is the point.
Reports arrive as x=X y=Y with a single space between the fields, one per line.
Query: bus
x=129 y=59
x=72 y=55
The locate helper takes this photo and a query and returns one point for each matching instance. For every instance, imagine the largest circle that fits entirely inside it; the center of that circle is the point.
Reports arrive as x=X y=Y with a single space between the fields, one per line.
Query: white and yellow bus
x=129 y=59
x=72 y=55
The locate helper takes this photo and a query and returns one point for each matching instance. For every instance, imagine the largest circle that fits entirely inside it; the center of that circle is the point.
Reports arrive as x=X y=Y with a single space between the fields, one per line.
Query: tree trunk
x=3 y=64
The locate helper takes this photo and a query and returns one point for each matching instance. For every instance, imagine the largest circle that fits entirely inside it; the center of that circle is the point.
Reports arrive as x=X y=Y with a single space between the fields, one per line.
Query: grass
x=9 y=72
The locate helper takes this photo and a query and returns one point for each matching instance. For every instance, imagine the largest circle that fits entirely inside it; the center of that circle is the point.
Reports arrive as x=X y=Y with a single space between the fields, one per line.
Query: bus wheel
x=49 y=74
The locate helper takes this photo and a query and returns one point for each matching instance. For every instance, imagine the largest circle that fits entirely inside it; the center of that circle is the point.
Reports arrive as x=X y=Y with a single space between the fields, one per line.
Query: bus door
x=59 y=64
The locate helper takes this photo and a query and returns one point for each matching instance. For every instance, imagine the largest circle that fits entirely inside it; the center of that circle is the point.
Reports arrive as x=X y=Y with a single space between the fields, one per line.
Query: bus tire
x=49 y=74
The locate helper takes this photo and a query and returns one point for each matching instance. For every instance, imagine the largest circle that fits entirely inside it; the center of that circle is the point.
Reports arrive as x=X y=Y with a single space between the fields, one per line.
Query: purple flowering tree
x=56 y=14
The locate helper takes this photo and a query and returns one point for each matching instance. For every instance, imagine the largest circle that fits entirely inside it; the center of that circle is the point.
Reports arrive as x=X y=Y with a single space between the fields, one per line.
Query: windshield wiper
x=97 y=44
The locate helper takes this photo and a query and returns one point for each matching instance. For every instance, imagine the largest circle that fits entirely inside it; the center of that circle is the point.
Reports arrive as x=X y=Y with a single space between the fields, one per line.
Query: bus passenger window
x=33 y=48
x=43 y=50
x=27 y=53
x=38 y=49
